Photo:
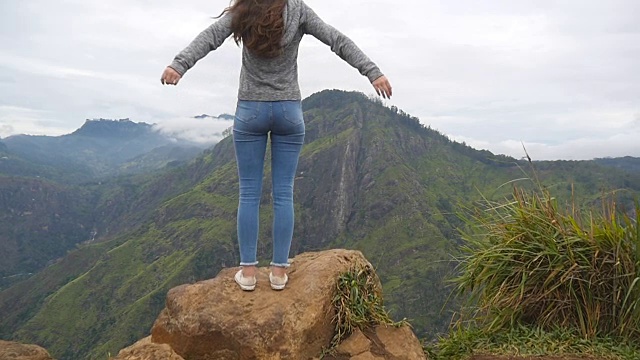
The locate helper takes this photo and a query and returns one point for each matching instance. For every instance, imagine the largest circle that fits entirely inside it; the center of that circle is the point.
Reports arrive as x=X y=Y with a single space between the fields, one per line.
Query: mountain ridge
x=112 y=128
x=98 y=149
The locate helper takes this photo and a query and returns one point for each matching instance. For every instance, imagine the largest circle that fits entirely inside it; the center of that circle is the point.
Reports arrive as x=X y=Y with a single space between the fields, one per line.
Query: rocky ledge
x=214 y=319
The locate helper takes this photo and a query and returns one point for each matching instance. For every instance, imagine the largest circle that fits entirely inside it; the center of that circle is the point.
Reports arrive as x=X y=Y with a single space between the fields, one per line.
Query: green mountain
x=370 y=178
x=100 y=148
x=39 y=219
x=45 y=212
x=158 y=158
x=63 y=171
x=39 y=222
x=627 y=163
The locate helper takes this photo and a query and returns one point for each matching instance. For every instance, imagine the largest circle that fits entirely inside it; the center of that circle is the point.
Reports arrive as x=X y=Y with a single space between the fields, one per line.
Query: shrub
x=528 y=263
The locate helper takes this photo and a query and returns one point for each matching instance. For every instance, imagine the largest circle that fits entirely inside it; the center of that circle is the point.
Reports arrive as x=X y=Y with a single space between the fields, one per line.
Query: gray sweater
x=273 y=79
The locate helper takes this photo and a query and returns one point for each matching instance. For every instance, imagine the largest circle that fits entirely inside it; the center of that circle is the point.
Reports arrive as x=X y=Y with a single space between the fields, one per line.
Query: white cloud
x=205 y=131
x=587 y=148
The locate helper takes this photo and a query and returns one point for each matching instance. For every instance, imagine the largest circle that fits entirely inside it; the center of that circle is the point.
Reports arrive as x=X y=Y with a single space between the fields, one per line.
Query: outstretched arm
x=208 y=40
x=346 y=49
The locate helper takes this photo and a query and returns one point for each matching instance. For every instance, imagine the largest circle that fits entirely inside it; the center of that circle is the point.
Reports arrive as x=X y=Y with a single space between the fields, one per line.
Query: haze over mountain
x=102 y=148
x=370 y=178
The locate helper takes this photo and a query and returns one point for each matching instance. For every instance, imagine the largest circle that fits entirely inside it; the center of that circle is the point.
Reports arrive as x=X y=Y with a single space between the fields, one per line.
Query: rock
x=399 y=343
x=16 y=351
x=357 y=343
x=147 y=350
x=381 y=342
x=214 y=319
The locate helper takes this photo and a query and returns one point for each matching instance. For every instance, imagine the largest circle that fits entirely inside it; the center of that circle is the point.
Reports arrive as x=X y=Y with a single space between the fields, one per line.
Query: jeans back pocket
x=247 y=111
x=292 y=112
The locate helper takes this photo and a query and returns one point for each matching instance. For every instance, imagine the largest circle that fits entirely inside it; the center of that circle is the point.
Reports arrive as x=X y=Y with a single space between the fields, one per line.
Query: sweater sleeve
x=208 y=40
x=340 y=44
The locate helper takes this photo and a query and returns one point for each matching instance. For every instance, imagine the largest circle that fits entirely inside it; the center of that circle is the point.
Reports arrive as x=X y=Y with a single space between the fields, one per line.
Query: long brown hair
x=259 y=24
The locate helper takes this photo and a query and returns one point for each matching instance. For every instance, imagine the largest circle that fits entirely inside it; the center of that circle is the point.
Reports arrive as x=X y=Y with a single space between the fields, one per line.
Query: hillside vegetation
x=57 y=192
x=548 y=279
x=370 y=178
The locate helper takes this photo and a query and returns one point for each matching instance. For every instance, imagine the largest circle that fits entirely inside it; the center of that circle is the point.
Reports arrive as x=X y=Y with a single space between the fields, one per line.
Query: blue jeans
x=254 y=122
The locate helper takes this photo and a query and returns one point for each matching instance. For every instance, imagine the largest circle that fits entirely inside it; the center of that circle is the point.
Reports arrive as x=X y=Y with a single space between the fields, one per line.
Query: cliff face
x=328 y=174
x=346 y=181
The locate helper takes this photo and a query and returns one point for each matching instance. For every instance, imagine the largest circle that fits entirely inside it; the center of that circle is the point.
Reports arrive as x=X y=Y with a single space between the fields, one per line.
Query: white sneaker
x=277 y=282
x=246 y=283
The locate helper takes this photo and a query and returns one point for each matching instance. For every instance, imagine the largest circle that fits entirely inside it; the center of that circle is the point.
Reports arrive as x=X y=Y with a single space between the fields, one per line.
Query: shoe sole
x=246 y=288
x=279 y=286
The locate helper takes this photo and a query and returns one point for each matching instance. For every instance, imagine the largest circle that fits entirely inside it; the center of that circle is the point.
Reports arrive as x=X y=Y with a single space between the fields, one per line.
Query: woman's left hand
x=170 y=77
x=383 y=87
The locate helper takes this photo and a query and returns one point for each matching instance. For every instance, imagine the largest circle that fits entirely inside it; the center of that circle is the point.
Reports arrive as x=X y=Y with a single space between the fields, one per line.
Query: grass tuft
x=529 y=263
x=358 y=303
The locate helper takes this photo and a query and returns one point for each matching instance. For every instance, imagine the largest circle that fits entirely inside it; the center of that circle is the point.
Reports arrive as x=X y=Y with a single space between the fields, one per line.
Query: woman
x=269 y=102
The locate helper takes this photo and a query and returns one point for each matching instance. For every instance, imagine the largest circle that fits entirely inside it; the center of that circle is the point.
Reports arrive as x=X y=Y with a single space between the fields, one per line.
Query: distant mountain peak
x=112 y=128
x=226 y=117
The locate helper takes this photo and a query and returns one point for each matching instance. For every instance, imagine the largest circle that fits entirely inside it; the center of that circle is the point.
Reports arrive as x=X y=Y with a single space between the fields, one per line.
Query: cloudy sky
x=560 y=77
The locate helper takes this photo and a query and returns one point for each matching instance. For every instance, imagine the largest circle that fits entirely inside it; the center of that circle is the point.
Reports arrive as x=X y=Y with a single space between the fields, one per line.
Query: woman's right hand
x=383 y=87
x=170 y=77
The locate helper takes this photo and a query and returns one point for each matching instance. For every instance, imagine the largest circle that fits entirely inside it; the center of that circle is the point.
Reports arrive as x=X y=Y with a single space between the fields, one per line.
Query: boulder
x=356 y=344
x=147 y=350
x=381 y=342
x=16 y=351
x=214 y=319
x=399 y=343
